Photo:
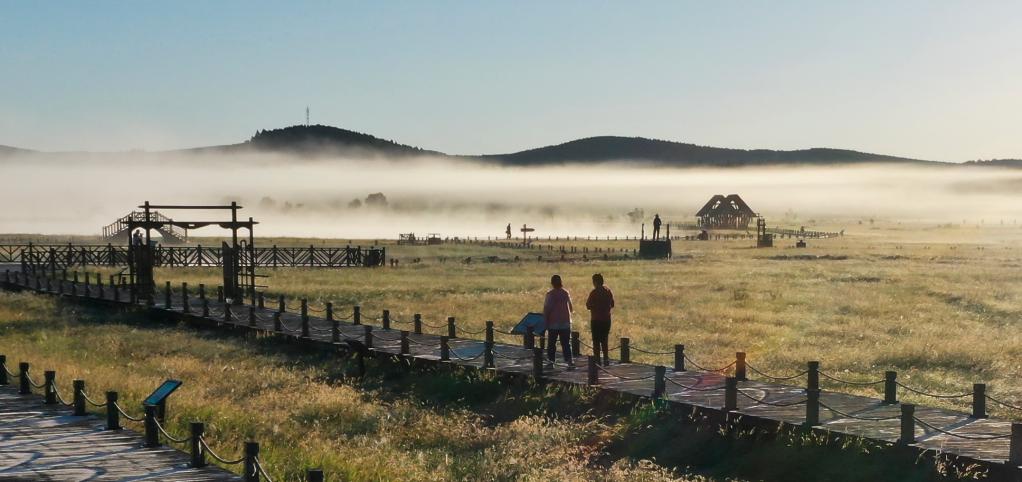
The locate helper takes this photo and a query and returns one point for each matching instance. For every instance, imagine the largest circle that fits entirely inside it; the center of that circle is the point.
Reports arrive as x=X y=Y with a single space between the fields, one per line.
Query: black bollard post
x=979 y=400
x=626 y=350
x=314 y=475
x=251 y=454
x=386 y=319
x=305 y=318
x=78 y=399
x=405 y=349
x=445 y=349
x=890 y=387
x=329 y=311
x=679 y=358
x=152 y=434
x=593 y=372
x=813 y=376
x=166 y=296
x=113 y=417
x=489 y=331
x=335 y=330
x=908 y=424
x=356 y=315
x=24 y=386
x=537 y=363
x=451 y=328
x=185 y=304
x=659 y=381
x=730 y=394
x=368 y=340
x=488 y=361
x=529 y=338
x=812 y=407
x=740 y=366
x=50 y=387
x=417 y=323
x=195 y=444
x=1015 y=445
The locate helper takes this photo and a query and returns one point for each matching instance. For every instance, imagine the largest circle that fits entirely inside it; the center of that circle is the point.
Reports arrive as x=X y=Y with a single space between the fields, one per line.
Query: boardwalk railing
x=727 y=389
x=63 y=256
x=151 y=421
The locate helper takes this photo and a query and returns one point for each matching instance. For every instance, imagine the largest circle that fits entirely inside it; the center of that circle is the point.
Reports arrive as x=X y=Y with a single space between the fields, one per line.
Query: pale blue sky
x=928 y=79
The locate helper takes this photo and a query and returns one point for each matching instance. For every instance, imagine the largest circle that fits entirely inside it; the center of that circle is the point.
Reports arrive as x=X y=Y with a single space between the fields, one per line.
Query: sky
x=925 y=79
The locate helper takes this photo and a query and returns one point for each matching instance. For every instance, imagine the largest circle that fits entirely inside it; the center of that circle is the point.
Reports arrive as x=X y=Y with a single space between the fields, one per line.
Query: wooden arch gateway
x=238 y=257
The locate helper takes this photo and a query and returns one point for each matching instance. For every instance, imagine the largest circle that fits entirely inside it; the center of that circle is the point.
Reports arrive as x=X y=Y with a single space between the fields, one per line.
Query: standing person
x=557 y=316
x=656 y=226
x=508 y=231
x=600 y=302
x=138 y=237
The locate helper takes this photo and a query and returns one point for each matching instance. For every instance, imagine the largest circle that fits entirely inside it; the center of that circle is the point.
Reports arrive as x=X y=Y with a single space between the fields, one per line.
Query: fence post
x=730 y=394
x=251 y=453
x=659 y=381
x=166 y=296
x=185 y=305
x=314 y=475
x=251 y=316
x=356 y=315
x=113 y=417
x=198 y=456
x=812 y=407
x=626 y=350
x=1015 y=445
x=368 y=336
x=576 y=343
x=386 y=319
x=305 y=318
x=679 y=358
x=99 y=286
x=405 y=349
x=593 y=371
x=152 y=434
x=529 y=338
x=417 y=323
x=488 y=361
x=908 y=424
x=890 y=387
x=451 y=328
x=445 y=349
x=24 y=388
x=49 y=387
x=3 y=370
x=335 y=330
x=537 y=363
x=740 y=366
x=329 y=311
x=489 y=331
x=813 y=376
x=979 y=400
x=78 y=399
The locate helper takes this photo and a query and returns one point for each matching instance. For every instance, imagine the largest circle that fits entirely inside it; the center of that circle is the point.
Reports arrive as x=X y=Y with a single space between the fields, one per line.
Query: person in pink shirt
x=557 y=311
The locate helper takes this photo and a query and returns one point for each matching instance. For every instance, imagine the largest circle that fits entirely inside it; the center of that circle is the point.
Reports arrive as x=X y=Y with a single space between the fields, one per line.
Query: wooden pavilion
x=725 y=212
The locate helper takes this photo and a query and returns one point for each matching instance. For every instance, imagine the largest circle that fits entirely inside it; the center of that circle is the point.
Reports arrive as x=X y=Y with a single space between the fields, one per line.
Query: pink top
x=557 y=309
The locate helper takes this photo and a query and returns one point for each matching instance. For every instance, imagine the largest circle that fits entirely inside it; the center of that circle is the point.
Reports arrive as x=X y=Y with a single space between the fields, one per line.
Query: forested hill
x=613 y=148
x=320 y=140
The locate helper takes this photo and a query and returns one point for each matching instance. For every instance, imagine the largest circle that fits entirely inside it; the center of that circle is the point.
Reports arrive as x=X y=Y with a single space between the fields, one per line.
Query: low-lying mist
x=80 y=193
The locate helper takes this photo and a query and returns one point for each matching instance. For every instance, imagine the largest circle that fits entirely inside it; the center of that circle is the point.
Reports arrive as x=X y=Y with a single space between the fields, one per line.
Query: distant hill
x=7 y=151
x=613 y=148
x=997 y=162
x=320 y=140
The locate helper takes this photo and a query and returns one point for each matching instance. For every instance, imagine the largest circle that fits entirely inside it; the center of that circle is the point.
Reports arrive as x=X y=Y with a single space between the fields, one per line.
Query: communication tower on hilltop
x=306 y=116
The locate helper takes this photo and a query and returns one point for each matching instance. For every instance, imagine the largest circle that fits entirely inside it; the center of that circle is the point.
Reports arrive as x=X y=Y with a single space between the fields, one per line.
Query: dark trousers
x=551 y=344
x=601 y=334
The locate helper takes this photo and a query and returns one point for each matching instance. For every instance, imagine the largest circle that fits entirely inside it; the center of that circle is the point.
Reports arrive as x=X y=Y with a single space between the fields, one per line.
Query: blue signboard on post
x=162 y=392
x=535 y=320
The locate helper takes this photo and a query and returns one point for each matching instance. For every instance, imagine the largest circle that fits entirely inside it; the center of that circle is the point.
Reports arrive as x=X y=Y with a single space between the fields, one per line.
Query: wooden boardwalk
x=958 y=435
x=44 y=442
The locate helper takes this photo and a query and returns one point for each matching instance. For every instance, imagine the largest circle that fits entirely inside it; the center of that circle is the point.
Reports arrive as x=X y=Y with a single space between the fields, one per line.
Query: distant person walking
x=137 y=238
x=508 y=231
x=557 y=311
x=656 y=226
x=599 y=304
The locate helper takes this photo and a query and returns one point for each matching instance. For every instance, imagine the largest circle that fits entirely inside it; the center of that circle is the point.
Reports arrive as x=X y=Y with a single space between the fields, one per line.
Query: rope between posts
x=376 y=336
x=591 y=347
x=59 y=398
x=32 y=382
x=259 y=469
x=9 y=373
x=650 y=352
x=454 y=353
x=125 y=414
x=934 y=395
x=958 y=435
x=627 y=379
x=468 y=332
x=168 y=435
x=772 y=404
x=435 y=327
x=206 y=448
x=708 y=369
x=682 y=385
x=91 y=401
x=846 y=382
x=856 y=417
x=766 y=375
x=1003 y=404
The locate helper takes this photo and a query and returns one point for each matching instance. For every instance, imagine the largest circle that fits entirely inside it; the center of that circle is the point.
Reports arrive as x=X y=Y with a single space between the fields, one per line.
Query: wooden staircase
x=117 y=231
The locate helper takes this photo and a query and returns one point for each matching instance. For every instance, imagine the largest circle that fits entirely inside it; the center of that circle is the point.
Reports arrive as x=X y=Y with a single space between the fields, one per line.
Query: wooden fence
x=62 y=256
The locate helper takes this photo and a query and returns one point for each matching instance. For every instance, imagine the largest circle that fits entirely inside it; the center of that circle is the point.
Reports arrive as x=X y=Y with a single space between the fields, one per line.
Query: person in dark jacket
x=600 y=302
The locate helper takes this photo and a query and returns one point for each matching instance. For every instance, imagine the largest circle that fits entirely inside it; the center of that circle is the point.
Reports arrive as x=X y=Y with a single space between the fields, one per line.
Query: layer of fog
x=78 y=194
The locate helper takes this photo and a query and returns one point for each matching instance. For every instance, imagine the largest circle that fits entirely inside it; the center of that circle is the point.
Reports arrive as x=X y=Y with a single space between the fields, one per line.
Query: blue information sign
x=535 y=320
x=161 y=393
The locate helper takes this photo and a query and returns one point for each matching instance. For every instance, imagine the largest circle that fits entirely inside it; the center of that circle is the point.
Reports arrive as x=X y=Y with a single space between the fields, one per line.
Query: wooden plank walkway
x=937 y=431
x=44 y=442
